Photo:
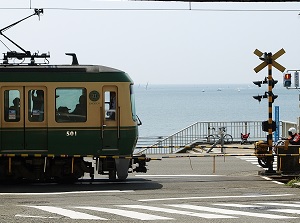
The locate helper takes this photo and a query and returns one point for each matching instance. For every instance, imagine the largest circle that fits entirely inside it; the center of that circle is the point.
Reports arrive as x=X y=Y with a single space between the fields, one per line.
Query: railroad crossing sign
x=268 y=58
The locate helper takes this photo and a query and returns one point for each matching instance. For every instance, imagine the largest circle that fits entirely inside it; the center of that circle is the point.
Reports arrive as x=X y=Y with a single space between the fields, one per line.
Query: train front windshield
x=132 y=100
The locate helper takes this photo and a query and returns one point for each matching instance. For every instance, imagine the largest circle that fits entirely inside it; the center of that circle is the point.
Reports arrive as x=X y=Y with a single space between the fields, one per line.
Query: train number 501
x=71 y=133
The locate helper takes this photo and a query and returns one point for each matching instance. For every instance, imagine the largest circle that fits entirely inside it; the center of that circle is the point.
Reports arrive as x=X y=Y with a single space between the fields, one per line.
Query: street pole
x=270 y=159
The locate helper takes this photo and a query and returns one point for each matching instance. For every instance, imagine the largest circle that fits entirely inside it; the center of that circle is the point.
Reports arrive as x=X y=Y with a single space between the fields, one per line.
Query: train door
x=12 y=118
x=36 y=122
x=24 y=120
x=110 y=118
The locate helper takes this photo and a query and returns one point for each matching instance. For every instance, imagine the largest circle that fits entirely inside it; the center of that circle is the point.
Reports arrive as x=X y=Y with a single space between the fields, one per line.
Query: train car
x=54 y=116
x=58 y=122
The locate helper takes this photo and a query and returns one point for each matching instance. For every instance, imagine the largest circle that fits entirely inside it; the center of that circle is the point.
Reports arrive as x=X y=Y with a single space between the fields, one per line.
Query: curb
x=296 y=185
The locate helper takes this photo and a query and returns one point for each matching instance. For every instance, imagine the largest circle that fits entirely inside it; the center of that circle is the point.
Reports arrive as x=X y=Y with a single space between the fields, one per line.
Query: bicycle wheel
x=228 y=139
x=211 y=139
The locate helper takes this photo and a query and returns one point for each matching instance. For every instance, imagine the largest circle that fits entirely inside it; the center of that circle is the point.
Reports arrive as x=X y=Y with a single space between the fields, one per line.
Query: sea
x=166 y=109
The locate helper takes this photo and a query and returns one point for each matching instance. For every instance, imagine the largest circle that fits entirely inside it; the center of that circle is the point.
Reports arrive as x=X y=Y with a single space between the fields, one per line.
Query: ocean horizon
x=166 y=109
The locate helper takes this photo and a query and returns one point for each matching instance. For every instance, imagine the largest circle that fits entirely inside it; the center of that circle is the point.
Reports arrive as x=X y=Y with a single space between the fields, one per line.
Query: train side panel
x=101 y=131
x=54 y=116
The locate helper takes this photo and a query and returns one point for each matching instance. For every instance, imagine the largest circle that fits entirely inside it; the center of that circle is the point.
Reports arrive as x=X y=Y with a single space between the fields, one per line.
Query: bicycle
x=217 y=136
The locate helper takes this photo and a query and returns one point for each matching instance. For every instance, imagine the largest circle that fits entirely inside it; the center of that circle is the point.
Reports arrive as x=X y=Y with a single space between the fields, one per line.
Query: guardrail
x=198 y=132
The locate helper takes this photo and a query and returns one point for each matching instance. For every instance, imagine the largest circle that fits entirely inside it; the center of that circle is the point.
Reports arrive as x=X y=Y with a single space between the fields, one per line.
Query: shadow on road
x=97 y=185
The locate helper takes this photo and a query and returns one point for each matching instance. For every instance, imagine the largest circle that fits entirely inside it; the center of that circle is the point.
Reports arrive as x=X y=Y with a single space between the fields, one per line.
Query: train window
x=12 y=105
x=110 y=105
x=35 y=105
x=71 y=105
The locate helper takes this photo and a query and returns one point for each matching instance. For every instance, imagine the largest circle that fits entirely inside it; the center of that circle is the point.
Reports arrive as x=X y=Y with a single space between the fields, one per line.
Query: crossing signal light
x=259 y=83
x=273 y=82
x=274 y=97
x=265 y=126
x=287 y=82
x=259 y=97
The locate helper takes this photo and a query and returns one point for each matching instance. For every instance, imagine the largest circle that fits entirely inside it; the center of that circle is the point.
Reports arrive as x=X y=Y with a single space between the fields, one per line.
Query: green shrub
x=292 y=182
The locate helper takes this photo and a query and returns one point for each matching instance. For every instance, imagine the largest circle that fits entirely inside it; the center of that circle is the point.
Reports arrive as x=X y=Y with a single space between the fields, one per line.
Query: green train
x=60 y=122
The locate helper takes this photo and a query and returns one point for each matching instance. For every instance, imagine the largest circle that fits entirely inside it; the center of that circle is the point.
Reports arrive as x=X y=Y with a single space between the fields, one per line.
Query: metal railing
x=198 y=132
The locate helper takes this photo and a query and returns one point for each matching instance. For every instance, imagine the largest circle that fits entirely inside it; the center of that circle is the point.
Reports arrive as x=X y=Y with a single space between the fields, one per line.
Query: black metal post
x=270 y=159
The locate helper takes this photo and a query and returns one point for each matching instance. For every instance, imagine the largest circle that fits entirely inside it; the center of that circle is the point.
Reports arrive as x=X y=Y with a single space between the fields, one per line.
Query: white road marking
x=31 y=216
x=269 y=179
x=226 y=211
x=252 y=160
x=216 y=213
x=129 y=214
x=67 y=213
x=288 y=211
x=216 y=197
x=238 y=205
x=281 y=204
x=68 y=192
x=173 y=211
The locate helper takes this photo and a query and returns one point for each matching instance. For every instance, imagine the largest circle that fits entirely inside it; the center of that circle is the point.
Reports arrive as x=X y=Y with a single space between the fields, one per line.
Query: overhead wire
x=189 y=5
x=188 y=8
x=5 y=45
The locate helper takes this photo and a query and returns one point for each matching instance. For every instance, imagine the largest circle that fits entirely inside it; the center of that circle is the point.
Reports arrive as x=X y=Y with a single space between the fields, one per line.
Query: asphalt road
x=174 y=189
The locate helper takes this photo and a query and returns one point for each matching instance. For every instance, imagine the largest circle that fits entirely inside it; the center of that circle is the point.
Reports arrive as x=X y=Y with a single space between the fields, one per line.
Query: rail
x=197 y=133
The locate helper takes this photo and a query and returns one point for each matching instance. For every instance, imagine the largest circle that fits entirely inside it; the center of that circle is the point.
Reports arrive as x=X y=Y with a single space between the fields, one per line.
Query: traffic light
x=287 y=82
x=296 y=79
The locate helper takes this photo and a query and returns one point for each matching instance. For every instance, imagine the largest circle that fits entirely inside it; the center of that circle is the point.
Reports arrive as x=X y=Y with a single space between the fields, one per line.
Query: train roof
x=57 y=68
x=61 y=73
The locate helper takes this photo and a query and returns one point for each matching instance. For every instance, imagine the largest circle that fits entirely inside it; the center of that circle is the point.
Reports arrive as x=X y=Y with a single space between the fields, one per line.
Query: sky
x=160 y=42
